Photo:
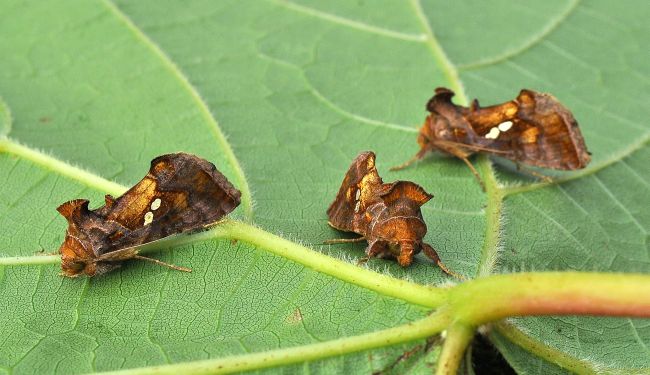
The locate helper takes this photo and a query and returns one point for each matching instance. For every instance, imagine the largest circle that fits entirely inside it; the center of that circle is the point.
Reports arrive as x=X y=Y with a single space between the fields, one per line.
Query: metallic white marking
x=148 y=218
x=356 y=207
x=493 y=133
x=358 y=195
x=155 y=204
x=505 y=126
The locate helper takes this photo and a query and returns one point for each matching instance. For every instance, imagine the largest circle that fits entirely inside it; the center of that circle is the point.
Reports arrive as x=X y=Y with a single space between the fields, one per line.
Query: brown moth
x=533 y=129
x=388 y=216
x=180 y=193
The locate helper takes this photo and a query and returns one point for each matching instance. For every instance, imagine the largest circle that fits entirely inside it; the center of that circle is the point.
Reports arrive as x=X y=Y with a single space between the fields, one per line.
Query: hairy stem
x=420 y=329
x=423 y=295
x=415 y=293
x=555 y=356
x=471 y=304
x=551 y=293
x=491 y=243
x=458 y=336
x=50 y=163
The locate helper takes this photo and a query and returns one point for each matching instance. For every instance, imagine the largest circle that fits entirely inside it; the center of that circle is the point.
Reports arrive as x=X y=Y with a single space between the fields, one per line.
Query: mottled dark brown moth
x=388 y=216
x=534 y=129
x=180 y=193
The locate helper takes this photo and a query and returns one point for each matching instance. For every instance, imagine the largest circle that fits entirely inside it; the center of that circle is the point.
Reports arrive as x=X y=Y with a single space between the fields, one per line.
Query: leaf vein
x=535 y=39
x=65 y=169
x=348 y=22
x=153 y=315
x=619 y=204
x=558 y=225
x=202 y=105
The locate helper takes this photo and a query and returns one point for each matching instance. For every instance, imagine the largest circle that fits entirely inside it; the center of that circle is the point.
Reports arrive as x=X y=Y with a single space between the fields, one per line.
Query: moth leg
x=344 y=240
x=412 y=160
x=161 y=263
x=362 y=261
x=377 y=249
x=431 y=253
x=462 y=155
x=534 y=173
x=474 y=171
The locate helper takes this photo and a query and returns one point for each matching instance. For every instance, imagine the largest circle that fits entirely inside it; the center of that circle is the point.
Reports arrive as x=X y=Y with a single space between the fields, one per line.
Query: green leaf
x=95 y=90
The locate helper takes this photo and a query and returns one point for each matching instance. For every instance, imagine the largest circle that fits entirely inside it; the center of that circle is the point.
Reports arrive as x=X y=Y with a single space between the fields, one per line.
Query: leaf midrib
x=246 y=197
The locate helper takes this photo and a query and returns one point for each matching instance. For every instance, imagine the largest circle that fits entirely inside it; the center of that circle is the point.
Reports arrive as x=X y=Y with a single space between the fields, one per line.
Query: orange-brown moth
x=180 y=193
x=533 y=129
x=388 y=216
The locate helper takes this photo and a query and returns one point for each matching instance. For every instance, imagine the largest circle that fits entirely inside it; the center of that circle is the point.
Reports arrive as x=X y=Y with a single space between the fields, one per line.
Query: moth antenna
x=343 y=240
x=161 y=263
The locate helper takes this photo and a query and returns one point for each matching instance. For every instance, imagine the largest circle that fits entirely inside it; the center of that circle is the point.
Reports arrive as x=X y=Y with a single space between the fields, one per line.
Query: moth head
x=437 y=124
x=407 y=251
x=73 y=258
x=76 y=251
x=442 y=95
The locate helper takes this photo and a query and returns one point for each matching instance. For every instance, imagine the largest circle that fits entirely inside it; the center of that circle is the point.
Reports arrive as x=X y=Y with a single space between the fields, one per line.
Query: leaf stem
x=30 y=260
x=458 y=337
x=49 y=162
x=493 y=217
x=551 y=293
x=555 y=356
x=448 y=69
x=419 y=329
x=471 y=304
x=423 y=295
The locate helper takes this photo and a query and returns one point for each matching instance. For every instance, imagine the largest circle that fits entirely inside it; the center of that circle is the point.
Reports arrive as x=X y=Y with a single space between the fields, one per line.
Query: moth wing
x=536 y=127
x=341 y=211
x=405 y=189
x=400 y=218
x=180 y=193
x=551 y=137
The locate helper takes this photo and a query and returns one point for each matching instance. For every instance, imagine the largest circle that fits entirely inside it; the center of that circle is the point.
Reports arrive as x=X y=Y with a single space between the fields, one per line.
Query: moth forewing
x=181 y=193
x=534 y=129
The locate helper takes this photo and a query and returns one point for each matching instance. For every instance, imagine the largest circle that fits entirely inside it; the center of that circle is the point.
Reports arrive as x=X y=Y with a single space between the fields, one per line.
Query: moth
x=533 y=129
x=387 y=216
x=181 y=193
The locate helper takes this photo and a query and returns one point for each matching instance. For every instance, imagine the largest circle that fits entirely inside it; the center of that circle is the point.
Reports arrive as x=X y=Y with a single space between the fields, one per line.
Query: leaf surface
x=300 y=88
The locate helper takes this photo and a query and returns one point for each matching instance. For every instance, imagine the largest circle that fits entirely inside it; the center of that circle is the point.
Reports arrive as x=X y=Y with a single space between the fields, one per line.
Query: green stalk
x=551 y=293
x=457 y=338
x=420 y=329
x=415 y=293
